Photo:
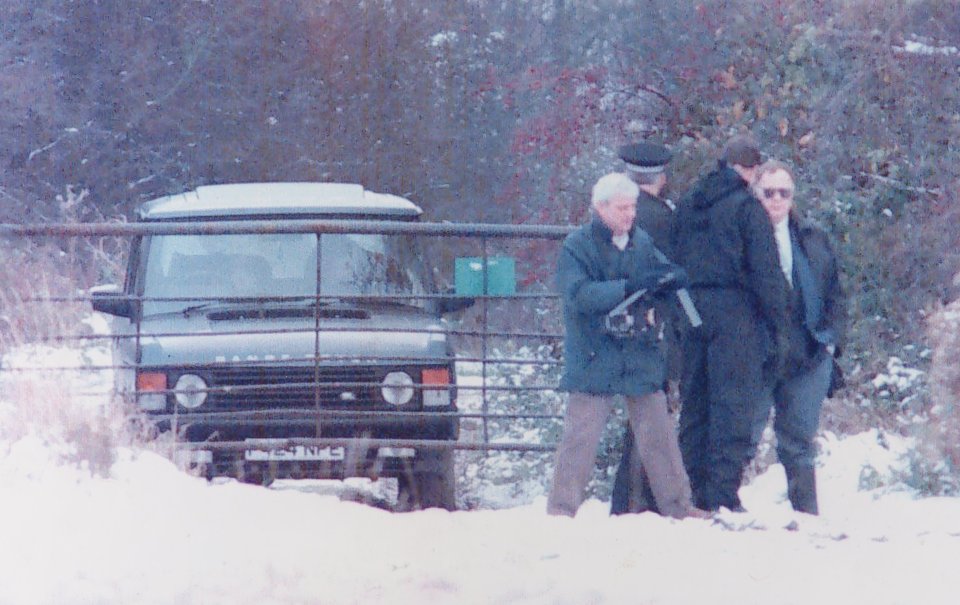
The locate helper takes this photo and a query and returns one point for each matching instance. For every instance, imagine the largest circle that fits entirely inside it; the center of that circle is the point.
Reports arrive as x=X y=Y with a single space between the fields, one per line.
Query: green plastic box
x=501 y=276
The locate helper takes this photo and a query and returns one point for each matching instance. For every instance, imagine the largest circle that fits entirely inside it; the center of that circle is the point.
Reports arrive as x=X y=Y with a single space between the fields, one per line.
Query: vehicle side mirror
x=108 y=299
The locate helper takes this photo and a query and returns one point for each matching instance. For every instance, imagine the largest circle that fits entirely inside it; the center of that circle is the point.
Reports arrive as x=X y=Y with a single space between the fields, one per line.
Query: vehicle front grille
x=252 y=387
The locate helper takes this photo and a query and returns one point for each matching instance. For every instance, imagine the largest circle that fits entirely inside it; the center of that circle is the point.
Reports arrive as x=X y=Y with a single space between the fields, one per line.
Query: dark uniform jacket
x=591 y=278
x=656 y=218
x=817 y=305
x=723 y=237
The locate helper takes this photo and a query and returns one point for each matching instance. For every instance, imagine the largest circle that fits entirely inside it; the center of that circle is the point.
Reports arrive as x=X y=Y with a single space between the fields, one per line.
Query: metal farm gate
x=507 y=357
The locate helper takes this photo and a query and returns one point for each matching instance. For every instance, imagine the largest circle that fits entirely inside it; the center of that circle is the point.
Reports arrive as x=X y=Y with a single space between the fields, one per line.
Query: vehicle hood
x=175 y=339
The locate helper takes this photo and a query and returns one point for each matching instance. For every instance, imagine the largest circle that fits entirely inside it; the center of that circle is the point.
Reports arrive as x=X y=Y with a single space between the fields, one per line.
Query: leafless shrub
x=44 y=281
x=35 y=303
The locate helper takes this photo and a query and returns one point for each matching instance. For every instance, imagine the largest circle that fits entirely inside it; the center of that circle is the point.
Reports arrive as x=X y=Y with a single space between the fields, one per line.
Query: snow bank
x=148 y=533
x=137 y=530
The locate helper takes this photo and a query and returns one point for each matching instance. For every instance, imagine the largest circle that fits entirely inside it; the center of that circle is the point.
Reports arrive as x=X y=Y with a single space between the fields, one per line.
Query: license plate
x=296 y=453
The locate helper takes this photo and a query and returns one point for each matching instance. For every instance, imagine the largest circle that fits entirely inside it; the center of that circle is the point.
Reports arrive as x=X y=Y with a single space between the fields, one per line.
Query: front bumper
x=374 y=444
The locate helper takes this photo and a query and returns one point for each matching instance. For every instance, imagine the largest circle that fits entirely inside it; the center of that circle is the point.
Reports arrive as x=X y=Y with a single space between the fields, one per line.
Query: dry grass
x=54 y=395
x=76 y=433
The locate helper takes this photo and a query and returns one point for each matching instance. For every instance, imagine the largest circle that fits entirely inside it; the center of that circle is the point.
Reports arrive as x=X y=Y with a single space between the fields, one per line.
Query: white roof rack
x=249 y=200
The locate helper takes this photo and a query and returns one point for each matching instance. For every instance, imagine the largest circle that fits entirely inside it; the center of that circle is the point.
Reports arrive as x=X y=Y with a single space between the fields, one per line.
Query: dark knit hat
x=743 y=150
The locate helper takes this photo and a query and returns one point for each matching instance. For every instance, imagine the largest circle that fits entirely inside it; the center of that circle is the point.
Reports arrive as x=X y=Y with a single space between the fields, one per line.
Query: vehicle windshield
x=198 y=269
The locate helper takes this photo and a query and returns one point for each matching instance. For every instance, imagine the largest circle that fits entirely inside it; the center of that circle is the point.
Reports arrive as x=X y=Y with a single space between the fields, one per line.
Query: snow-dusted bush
x=511 y=478
x=55 y=377
x=944 y=329
x=941 y=446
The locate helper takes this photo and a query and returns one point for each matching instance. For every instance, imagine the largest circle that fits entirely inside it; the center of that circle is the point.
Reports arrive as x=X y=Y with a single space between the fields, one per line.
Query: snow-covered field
x=147 y=533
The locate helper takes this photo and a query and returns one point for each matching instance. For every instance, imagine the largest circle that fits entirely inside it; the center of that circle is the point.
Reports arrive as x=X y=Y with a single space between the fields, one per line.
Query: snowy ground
x=148 y=533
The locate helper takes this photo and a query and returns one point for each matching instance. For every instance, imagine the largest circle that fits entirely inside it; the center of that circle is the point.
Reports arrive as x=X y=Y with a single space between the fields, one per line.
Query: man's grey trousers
x=655 y=441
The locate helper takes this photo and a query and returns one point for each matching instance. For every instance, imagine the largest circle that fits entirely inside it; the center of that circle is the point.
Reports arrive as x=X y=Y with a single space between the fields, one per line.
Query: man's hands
x=657 y=281
x=640 y=280
x=673 y=280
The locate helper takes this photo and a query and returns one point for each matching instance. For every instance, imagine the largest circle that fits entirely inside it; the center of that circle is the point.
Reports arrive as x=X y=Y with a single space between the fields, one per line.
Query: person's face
x=661 y=184
x=775 y=192
x=618 y=213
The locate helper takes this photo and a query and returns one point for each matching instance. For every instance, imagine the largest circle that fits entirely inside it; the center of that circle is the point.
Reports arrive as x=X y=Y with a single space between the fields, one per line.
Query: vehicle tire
x=256 y=475
x=429 y=489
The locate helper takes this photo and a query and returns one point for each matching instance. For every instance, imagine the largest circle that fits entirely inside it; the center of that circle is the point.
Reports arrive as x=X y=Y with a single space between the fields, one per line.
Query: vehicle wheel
x=256 y=476
x=429 y=489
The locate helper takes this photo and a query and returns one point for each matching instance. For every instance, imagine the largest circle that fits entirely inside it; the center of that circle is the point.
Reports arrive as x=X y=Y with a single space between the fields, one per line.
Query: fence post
x=484 y=301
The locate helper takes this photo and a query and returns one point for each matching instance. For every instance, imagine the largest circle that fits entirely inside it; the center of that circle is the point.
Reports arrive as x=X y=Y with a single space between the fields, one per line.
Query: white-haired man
x=601 y=264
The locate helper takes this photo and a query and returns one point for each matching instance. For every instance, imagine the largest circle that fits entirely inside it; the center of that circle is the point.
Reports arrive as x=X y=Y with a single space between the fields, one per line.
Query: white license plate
x=295 y=452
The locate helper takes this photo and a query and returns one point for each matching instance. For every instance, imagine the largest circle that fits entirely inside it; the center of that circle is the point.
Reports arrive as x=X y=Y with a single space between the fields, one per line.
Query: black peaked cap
x=645 y=157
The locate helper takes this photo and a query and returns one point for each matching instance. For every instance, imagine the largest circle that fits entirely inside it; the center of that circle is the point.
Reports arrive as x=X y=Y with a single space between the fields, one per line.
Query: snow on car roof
x=250 y=200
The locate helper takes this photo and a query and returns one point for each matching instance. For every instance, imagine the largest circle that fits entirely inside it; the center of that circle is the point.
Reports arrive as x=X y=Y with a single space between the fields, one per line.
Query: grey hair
x=613 y=185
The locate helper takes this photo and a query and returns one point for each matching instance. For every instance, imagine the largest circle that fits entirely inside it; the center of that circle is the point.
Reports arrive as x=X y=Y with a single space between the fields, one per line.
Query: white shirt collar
x=781 y=233
x=621 y=241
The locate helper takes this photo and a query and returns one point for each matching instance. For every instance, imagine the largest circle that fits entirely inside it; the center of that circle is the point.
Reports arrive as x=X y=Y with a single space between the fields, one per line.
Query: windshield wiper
x=385 y=302
x=253 y=301
x=186 y=311
x=299 y=301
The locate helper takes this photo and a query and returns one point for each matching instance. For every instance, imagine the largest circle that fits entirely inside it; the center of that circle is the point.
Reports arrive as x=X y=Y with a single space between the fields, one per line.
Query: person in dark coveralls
x=816 y=325
x=600 y=265
x=723 y=238
x=646 y=165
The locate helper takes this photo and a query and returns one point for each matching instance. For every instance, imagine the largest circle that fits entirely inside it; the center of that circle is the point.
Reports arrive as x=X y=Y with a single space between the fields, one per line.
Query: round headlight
x=397 y=388
x=190 y=391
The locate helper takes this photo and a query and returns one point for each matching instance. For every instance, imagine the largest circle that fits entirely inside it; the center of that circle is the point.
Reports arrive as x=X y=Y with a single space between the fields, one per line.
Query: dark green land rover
x=258 y=336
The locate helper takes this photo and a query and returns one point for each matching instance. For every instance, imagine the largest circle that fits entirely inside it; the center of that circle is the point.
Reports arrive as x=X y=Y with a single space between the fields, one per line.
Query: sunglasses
x=785 y=192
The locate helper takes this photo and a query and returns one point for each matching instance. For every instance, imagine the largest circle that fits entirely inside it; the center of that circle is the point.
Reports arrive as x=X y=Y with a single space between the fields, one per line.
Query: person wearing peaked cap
x=646 y=165
x=645 y=157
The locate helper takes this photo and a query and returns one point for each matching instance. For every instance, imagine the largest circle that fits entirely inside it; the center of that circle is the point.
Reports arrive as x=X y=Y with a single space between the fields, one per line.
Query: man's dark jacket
x=591 y=277
x=817 y=304
x=723 y=238
x=817 y=320
x=656 y=218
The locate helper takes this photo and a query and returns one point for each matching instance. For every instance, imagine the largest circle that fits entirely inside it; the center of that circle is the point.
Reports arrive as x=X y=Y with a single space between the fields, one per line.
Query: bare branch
x=46 y=147
x=901 y=185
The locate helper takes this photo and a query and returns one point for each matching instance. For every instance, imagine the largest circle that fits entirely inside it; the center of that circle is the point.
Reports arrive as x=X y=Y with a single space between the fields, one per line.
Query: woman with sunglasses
x=817 y=319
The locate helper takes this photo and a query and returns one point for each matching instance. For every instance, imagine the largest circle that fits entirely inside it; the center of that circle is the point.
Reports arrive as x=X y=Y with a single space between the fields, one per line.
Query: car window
x=182 y=270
